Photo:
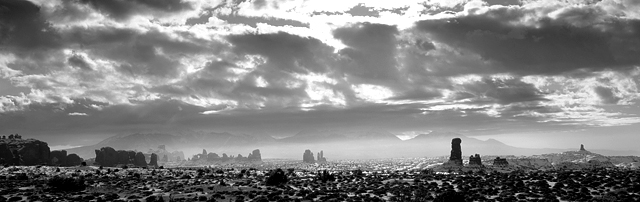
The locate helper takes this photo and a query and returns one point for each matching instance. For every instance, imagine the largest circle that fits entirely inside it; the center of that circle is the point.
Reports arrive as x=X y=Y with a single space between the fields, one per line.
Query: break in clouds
x=281 y=66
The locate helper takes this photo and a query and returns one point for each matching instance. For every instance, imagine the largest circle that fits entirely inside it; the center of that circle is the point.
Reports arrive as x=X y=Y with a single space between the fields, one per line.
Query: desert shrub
x=450 y=196
x=154 y=199
x=276 y=177
x=66 y=184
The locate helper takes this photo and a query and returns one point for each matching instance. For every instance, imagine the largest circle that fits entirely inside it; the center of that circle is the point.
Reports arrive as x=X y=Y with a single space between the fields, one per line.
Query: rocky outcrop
x=475 y=160
x=58 y=157
x=73 y=160
x=24 y=151
x=321 y=158
x=582 y=147
x=108 y=156
x=139 y=160
x=123 y=157
x=154 y=160
x=6 y=155
x=255 y=155
x=307 y=157
x=61 y=158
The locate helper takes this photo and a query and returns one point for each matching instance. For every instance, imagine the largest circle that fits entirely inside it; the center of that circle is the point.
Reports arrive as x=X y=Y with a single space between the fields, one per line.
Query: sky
x=533 y=73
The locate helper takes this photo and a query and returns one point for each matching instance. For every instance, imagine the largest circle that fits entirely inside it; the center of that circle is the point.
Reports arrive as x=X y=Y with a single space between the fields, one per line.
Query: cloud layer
x=280 y=66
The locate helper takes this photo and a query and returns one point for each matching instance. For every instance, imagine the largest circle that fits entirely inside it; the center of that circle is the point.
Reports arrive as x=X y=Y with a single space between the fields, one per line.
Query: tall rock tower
x=456 y=151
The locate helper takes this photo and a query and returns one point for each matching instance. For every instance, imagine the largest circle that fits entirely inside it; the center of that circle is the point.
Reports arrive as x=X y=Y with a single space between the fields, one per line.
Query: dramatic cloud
x=518 y=40
x=277 y=67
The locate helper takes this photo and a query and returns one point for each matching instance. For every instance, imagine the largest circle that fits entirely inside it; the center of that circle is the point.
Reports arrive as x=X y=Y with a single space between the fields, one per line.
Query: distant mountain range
x=335 y=144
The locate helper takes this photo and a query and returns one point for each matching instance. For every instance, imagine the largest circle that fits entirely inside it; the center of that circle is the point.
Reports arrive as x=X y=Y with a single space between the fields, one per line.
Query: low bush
x=65 y=184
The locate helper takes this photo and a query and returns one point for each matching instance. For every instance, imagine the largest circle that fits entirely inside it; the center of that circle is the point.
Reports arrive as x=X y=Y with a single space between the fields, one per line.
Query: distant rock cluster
x=500 y=162
x=108 y=156
x=175 y=156
x=307 y=157
x=255 y=155
x=321 y=158
x=213 y=157
x=475 y=160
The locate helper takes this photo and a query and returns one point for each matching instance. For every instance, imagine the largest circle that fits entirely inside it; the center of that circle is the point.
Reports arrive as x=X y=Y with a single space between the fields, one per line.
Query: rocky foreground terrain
x=357 y=180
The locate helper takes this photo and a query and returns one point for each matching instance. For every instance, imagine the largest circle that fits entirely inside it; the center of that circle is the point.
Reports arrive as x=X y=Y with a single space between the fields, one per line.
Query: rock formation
x=171 y=156
x=582 y=147
x=58 y=157
x=73 y=160
x=475 y=160
x=255 y=155
x=109 y=157
x=123 y=157
x=455 y=159
x=6 y=156
x=139 y=160
x=132 y=157
x=321 y=158
x=154 y=160
x=307 y=157
x=106 y=156
x=500 y=162
x=27 y=152
x=61 y=158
